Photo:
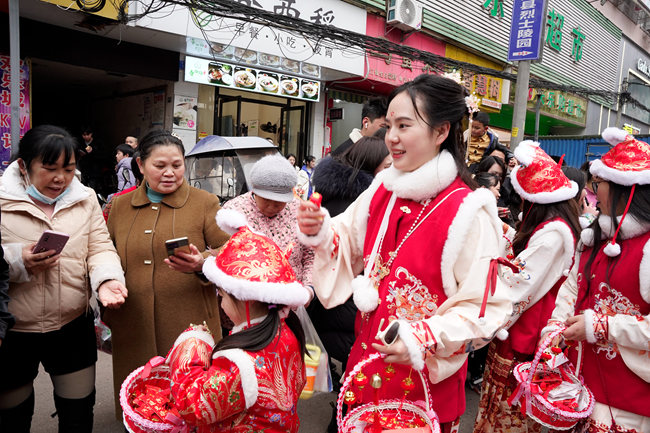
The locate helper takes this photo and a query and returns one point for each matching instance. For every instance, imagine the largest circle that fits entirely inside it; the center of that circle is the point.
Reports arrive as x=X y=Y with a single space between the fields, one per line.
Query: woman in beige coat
x=166 y=293
x=49 y=293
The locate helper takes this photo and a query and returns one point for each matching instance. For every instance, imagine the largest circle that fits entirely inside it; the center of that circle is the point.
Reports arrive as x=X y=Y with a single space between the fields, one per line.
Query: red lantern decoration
x=389 y=372
x=407 y=385
x=360 y=380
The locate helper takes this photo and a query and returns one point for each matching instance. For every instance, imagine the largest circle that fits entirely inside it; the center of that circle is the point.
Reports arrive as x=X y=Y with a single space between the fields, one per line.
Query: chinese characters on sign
x=495 y=7
x=559 y=104
x=554 y=27
x=526 y=30
x=486 y=87
x=5 y=107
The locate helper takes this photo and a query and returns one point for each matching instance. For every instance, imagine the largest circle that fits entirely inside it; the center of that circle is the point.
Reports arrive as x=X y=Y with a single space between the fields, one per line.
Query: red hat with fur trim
x=627 y=163
x=251 y=267
x=538 y=178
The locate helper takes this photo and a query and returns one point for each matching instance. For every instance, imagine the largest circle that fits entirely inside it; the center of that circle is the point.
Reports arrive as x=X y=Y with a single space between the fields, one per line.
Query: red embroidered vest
x=604 y=370
x=524 y=334
x=412 y=291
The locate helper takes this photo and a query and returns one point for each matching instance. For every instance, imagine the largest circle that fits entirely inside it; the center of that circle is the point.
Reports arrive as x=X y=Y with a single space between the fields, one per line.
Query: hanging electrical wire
x=327 y=36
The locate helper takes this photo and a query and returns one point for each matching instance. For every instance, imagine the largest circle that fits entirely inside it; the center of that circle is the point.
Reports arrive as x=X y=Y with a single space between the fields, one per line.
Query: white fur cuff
x=589 y=326
x=244 y=362
x=405 y=333
x=104 y=272
x=320 y=238
x=199 y=335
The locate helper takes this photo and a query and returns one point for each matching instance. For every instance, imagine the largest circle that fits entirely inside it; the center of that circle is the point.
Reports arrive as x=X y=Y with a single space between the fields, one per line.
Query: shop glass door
x=292 y=135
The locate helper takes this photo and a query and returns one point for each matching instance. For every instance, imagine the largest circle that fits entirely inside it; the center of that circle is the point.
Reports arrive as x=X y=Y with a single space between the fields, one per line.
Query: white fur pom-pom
x=613 y=135
x=587 y=237
x=502 y=334
x=612 y=250
x=230 y=220
x=364 y=294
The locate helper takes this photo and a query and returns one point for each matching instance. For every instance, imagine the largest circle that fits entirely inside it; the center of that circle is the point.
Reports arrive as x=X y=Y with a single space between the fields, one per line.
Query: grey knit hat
x=273 y=178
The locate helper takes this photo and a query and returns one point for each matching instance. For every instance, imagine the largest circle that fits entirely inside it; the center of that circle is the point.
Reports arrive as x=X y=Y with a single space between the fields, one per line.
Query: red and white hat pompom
x=539 y=179
x=251 y=267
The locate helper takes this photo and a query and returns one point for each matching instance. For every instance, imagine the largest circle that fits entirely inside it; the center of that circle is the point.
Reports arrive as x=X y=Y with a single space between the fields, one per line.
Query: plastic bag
x=102 y=331
x=319 y=378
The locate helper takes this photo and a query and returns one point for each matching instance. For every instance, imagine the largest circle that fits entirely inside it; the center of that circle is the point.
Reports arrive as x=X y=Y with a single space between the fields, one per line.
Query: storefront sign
x=488 y=89
x=5 y=107
x=643 y=66
x=526 y=30
x=106 y=9
x=185 y=112
x=397 y=70
x=224 y=74
x=250 y=58
x=561 y=105
x=631 y=129
x=230 y=32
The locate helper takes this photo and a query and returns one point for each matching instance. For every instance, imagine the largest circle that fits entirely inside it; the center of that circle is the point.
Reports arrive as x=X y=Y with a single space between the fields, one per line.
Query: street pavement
x=314 y=413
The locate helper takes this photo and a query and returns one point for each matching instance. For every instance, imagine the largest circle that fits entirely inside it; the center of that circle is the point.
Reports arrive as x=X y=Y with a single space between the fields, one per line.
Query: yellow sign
x=486 y=87
x=515 y=131
x=104 y=8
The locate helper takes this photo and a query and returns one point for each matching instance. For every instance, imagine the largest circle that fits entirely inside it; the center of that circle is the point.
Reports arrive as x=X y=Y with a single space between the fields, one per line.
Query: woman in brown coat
x=166 y=293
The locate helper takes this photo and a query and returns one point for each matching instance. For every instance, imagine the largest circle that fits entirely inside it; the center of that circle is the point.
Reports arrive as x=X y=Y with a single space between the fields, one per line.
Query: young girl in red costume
x=426 y=241
x=543 y=246
x=251 y=380
x=605 y=302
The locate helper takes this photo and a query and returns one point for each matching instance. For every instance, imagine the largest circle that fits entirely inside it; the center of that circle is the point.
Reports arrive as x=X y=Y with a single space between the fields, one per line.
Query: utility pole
x=521 y=99
x=621 y=102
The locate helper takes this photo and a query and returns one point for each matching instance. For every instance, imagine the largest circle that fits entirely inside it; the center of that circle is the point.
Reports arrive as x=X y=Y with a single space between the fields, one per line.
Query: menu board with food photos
x=219 y=73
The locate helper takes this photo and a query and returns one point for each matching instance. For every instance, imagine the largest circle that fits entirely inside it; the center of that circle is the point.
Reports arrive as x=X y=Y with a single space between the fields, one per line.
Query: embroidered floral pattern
x=409 y=299
x=610 y=302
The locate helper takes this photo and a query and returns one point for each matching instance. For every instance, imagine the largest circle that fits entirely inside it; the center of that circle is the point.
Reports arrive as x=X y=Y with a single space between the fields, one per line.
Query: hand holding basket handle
x=537 y=404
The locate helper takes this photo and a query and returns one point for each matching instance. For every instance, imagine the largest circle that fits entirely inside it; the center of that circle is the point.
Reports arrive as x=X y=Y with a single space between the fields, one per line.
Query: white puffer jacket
x=47 y=301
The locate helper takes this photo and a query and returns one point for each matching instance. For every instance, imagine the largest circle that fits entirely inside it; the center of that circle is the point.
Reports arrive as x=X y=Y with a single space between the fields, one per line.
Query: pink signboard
x=5 y=107
x=396 y=70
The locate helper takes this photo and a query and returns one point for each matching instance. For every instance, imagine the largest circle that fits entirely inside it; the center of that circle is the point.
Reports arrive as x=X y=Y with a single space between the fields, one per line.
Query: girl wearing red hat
x=543 y=246
x=251 y=379
x=401 y=250
x=605 y=302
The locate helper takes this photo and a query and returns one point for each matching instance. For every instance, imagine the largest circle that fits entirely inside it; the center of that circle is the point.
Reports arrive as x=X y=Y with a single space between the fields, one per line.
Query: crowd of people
x=421 y=244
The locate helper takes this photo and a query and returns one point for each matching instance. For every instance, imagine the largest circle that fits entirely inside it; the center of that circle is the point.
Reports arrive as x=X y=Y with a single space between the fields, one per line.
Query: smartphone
x=178 y=244
x=51 y=240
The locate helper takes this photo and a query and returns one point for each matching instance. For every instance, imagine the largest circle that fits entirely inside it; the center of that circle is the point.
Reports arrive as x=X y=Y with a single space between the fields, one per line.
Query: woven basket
x=353 y=423
x=155 y=373
x=538 y=407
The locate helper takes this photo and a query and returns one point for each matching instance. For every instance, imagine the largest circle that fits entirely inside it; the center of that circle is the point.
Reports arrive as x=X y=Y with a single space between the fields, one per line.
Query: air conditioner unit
x=404 y=14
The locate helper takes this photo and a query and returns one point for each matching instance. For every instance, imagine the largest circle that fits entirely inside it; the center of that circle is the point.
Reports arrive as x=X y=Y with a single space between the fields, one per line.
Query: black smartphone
x=178 y=244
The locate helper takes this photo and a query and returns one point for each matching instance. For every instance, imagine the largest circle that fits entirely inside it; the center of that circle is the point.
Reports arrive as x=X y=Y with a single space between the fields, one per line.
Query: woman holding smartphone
x=166 y=292
x=50 y=292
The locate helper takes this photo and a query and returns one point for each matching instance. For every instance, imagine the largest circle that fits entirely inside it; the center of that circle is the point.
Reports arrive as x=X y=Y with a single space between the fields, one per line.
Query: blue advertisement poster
x=527 y=30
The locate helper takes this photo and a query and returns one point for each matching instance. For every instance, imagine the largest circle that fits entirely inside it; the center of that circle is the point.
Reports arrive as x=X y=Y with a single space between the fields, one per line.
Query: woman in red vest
x=543 y=247
x=605 y=302
x=411 y=230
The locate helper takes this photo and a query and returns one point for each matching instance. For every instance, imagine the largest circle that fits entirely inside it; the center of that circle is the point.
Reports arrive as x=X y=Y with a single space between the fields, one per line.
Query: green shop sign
x=560 y=105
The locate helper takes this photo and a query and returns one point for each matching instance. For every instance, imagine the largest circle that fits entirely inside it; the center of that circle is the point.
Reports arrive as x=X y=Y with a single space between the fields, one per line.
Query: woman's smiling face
x=410 y=141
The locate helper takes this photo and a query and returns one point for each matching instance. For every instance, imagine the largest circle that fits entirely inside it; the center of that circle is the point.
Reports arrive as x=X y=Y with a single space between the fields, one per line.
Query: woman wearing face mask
x=167 y=292
x=49 y=292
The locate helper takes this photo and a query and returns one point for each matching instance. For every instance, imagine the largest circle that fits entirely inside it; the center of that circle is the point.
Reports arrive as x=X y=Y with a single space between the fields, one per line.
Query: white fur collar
x=424 y=182
x=13 y=186
x=630 y=228
x=244 y=325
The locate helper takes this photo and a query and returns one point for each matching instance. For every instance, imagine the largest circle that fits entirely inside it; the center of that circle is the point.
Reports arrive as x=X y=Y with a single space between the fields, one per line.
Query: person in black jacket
x=373 y=118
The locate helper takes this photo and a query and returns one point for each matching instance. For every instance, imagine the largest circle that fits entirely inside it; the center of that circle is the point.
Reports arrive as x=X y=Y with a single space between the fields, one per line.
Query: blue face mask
x=36 y=194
